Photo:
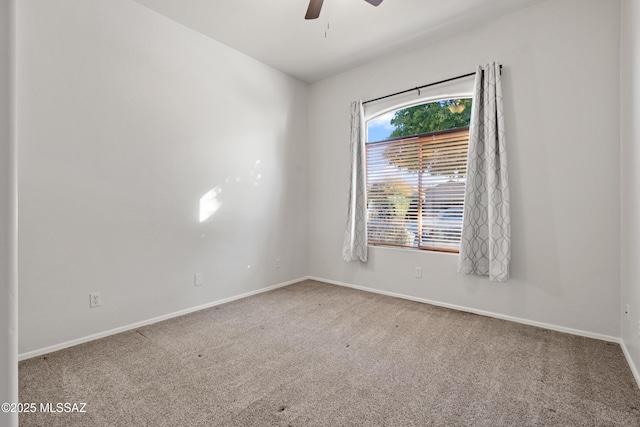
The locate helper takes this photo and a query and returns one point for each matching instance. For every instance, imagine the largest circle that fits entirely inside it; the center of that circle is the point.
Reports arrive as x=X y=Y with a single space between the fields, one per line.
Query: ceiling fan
x=313 y=11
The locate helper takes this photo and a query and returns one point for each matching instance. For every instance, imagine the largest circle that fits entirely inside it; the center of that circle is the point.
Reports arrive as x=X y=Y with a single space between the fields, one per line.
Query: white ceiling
x=276 y=33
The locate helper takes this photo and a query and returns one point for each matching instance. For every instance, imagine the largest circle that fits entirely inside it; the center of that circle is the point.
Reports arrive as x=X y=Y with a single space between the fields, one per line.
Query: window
x=416 y=169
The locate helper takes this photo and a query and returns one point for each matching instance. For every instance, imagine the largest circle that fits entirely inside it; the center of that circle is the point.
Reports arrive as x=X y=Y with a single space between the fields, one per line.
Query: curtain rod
x=423 y=86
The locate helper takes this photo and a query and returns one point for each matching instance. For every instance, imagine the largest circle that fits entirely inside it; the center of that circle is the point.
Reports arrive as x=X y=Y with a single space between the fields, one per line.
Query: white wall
x=560 y=79
x=8 y=285
x=630 y=178
x=125 y=120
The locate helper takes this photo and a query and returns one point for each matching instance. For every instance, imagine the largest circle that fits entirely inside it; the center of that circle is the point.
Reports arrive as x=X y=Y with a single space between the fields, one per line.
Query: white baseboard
x=129 y=327
x=634 y=368
x=475 y=311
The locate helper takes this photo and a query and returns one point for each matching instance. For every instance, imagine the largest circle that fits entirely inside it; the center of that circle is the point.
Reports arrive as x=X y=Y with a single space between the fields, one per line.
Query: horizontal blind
x=415 y=190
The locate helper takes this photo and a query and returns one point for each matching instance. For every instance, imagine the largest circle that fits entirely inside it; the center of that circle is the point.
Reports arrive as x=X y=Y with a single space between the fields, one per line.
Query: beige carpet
x=313 y=354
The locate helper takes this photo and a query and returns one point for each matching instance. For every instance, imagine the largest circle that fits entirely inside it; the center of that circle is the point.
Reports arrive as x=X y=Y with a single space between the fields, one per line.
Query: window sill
x=402 y=248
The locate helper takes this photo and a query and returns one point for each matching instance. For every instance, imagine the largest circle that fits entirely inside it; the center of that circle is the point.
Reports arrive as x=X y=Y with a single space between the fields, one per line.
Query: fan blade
x=313 y=11
x=374 y=2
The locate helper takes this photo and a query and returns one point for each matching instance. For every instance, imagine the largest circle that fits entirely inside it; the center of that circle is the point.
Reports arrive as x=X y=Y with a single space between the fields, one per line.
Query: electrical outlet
x=95 y=299
x=197 y=279
x=626 y=313
x=418 y=272
x=277 y=262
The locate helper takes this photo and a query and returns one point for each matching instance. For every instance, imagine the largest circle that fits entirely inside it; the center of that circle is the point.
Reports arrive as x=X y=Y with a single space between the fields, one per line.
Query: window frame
x=421 y=202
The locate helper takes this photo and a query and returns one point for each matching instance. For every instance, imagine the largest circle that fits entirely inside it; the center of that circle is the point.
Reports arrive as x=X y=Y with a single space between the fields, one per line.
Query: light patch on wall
x=209 y=203
x=254 y=173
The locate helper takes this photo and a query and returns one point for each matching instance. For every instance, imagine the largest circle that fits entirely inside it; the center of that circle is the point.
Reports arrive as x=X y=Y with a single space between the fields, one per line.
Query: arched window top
x=426 y=117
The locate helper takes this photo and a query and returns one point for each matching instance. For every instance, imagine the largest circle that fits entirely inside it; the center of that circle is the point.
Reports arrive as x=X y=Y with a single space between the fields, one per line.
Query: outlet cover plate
x=95 y=299
x=197 y=279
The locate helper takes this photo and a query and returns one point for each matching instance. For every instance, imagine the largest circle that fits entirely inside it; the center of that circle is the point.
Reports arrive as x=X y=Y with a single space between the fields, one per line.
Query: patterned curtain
x=354 y=247
x=485 y=248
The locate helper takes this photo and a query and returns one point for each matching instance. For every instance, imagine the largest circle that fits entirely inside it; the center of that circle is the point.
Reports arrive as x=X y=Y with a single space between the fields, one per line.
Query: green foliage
x=430 y=117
